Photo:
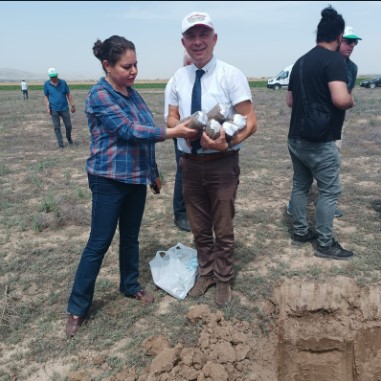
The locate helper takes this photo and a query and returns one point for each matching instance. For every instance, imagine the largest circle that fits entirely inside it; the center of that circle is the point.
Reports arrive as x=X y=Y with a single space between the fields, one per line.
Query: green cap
x=52 y=72
x=348 y=33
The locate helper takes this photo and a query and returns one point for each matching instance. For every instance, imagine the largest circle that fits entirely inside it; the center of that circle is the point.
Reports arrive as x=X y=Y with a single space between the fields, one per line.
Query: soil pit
x=329 y=331
x=321 y=331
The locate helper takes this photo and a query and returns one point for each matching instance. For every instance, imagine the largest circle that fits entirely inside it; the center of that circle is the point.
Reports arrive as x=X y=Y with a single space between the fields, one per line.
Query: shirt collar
x=104 y=83
x=208 y=67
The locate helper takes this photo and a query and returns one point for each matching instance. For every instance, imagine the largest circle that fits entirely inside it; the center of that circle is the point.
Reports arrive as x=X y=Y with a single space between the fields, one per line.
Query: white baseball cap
x=196 y=18
x=52 y=72
x=350 y=34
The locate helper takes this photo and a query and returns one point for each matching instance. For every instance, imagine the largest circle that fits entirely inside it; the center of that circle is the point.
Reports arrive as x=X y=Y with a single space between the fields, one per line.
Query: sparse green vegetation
x=45 y=217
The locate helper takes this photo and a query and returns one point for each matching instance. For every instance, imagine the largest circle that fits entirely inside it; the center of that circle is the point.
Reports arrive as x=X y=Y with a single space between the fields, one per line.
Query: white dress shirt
x=221 y=84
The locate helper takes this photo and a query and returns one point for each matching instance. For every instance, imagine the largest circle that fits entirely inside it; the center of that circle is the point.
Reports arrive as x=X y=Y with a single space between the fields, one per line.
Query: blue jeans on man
x=320 y=161
x=112 y=202
x=65 y=115
x=179 y=209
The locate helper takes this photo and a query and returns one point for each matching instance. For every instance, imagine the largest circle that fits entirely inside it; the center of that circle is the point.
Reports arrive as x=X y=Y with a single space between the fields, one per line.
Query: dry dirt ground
x=293 y=317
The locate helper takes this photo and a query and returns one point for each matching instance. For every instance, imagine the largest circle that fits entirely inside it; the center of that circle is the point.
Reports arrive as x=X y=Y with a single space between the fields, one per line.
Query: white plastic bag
x=175 y=270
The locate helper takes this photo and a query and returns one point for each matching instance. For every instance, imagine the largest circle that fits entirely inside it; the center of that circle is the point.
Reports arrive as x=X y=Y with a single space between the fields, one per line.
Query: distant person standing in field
x=179 y=210
x=24 y=89
x=57 y=94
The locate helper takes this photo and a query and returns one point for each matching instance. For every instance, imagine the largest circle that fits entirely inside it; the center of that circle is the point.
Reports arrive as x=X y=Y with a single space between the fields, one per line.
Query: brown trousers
x=209 y=191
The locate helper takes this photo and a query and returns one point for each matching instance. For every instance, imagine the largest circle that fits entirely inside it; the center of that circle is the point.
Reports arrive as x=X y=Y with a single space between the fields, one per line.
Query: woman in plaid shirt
x=121 y=165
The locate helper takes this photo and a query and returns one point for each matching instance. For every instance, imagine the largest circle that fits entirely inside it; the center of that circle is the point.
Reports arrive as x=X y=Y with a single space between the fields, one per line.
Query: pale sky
x=259 y=37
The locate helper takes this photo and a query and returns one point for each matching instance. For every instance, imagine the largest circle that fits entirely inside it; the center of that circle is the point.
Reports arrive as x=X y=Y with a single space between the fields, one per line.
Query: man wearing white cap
x=210 y=167
x=57 y=94
x=348 y=43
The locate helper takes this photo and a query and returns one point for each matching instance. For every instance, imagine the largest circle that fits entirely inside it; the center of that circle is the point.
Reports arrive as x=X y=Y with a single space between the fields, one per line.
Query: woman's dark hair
x=330 y=26
x=112 y=49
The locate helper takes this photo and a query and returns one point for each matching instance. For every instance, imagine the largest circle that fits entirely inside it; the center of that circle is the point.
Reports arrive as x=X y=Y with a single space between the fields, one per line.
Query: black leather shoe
x=183 y=224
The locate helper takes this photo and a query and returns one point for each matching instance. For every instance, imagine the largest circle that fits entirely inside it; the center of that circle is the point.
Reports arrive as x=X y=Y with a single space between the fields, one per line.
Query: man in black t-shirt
x=324 y=80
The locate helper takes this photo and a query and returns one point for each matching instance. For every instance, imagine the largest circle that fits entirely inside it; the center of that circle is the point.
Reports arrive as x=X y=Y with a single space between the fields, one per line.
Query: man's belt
x=209 y=156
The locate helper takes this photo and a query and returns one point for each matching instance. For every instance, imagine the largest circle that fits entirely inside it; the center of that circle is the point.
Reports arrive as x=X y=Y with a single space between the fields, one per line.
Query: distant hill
x=13 y=75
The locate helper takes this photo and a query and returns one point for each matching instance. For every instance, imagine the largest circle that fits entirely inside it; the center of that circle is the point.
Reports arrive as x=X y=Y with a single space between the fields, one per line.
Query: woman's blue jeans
x=112 y=201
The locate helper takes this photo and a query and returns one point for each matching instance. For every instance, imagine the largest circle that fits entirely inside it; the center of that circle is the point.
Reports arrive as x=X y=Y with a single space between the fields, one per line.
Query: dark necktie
x=196 y=105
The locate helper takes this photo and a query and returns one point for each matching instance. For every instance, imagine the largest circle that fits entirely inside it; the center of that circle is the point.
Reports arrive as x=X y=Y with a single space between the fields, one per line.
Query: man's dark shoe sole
x=332 y=256
x=322 y=255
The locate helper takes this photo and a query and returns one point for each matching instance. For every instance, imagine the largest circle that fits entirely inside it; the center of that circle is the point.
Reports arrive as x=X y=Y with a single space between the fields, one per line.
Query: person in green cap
x=57 y=95
x=350 y=40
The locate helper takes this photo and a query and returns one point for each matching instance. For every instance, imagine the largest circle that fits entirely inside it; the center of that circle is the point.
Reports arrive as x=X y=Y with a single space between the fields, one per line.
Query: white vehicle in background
x=281 y=80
